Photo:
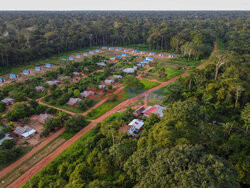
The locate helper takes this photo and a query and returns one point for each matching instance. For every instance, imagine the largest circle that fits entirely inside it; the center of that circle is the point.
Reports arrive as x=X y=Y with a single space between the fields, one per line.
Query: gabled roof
x=6 y=100
x=101 y=64
x=129 y=70
x=87 y=93
x=73 y=101
x=156 y=109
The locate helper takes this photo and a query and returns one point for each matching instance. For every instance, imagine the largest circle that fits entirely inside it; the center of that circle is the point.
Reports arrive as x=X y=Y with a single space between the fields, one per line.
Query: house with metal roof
x=78 y=56
x=102 y=86
x=91 y=52
x=127 y=50
x=156 y=109
x=141 y=64
x=171 y=55
x=111 y=48
x=13 y=76
x=150 y=58
x=85 y=53
x=108 y=82
x=38 y=68
x=48 y=65
x=8 y=101
x=124 y=55
x=104 y=47
x=118 y=56
x=112 y=59
x=26 y=72
x=118 y=49
x=161 y=54
x=152 y=53
x=2 y=80
x=102 y=64
x=71 y=58
x=143 y=52
x=146 y=61
x=97 y=50
x=129 y=70
x=54 y=82
x=39 y=89
x=25 y=132
x=86 y=94
x=136 y=125
x=138 y=111
x=73 y=101
x=42 y=118
x=117 y=76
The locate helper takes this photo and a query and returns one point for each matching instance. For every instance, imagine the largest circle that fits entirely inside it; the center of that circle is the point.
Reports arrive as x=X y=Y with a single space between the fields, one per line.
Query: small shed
x=91 y=52
x=42 y=118
x=97 y=50
x=129 y=70
x=26 y=72
x=171 y=55
x=85 y=53
x=39 y=89
x=73 y=101
x=161 y=54
x=138 y=111
x=48 y=65
x=1 y=80
x=13 y=76
x=71 y=58
x=8 y=101
x=25 y=132
x=102 y=86
x=38 y=68
x=108 y=82
x=87 y=94
x=136 y=126
x=124 y=55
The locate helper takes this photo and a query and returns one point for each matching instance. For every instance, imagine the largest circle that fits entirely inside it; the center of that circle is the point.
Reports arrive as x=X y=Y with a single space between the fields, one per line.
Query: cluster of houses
x=136 y=125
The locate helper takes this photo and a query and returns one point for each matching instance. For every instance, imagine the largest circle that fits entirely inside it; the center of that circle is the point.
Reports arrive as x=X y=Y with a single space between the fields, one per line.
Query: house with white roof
x=54 y=82
x=108 y=82
x=129 y=70
x=25 y=132
x=13 y=76
x=38 y=68
x=86 y=94
x=39 y=89
x=73 y=101
x=8 y=101
x=136 y=125
x=156 y=109
x=26 y=72
x=102 y=86
x=117 y=76
x=102 y=64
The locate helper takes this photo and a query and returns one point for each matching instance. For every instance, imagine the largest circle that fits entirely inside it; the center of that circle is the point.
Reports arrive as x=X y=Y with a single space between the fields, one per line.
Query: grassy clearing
x=103 y=108
x=27 y=164
x=220 y=44
x=144 y=47
x=149 y=84
x=171 y=73
x=185 y=62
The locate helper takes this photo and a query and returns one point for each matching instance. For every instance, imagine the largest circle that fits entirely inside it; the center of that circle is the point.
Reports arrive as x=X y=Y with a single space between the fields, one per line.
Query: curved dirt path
x=41 y=164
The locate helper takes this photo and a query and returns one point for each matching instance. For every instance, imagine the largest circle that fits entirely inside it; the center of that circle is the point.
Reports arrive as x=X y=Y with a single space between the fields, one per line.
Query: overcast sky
x=125 y=5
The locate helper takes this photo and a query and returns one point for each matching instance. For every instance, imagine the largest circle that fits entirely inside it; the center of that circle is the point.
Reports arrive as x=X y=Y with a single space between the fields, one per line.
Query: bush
x=75 y=124
x=18 y=111
x=2 y=107
x=8 y=144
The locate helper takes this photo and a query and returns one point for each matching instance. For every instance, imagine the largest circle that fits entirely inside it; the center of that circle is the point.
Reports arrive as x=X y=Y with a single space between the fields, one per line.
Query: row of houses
x=137 y=124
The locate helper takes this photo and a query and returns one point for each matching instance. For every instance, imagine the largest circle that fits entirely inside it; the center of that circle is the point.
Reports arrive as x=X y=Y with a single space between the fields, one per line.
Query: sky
x=124 y=4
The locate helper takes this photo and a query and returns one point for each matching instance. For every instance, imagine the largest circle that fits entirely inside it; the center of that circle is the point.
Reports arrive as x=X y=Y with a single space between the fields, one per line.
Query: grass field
x=184 y=61
x=149 y=84
x=220 y=44
x=23 y=167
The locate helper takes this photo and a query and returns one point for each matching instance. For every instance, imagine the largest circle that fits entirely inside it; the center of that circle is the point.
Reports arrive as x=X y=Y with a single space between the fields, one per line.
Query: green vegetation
x=149 y=84
x=220 y=44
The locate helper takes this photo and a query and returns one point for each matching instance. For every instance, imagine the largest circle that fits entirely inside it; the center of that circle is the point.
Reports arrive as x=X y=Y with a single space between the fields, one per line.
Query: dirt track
x=32 y=171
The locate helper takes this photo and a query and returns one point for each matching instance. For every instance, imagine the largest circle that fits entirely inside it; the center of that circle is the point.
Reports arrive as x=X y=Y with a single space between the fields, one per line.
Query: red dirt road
x=41 y=164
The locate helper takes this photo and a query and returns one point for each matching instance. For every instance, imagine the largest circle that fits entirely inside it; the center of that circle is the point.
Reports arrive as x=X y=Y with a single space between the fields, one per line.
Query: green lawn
x=149 y=84
x=184 y=61
x=171 y=73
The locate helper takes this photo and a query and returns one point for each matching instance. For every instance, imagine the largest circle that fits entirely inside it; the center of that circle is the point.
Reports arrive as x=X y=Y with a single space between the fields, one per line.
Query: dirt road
x=32 y=171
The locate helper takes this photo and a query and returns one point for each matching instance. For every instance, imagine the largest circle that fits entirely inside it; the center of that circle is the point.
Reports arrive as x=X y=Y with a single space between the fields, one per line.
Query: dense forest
x=202 y=140
x=26 y=36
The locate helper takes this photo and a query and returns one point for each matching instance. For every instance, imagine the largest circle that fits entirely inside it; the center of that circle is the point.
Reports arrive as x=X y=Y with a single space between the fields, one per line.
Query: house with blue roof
x=150 y=58
x=26 y=72
x=48 y=65
x=85 y=53
x=171 y=55
x=13 y=76
x=146 y=61
x=143 y=52
x=124 y=55
x=126 y=50
x=91 y=52
x=78 y=56
x=1 y=80
x=71 y=58
x=152 y=53
x=111 y=48
x=141 y=64
x=118 y=49
x=118 y=56
x=97 y=50
x=104 y=47
x=38 y=68
x=161 y=54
